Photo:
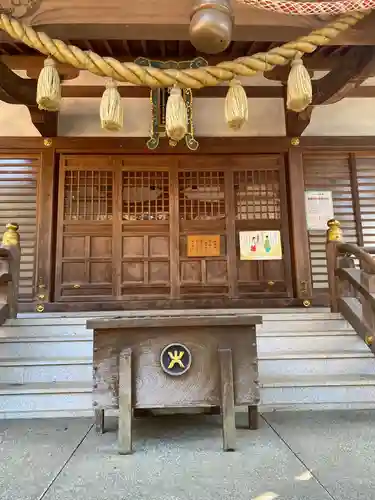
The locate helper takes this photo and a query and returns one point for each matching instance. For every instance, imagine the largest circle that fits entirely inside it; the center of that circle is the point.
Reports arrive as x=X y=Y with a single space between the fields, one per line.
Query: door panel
x=202 y=212
x=145 y=265
x=260 y=205
x=84 y=265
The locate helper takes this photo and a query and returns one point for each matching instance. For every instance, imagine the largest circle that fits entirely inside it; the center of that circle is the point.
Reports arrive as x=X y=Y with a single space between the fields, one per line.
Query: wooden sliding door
x=220 y=197
x=168 y=227
x=143 y=246
x=260 y=204
x=84 y=267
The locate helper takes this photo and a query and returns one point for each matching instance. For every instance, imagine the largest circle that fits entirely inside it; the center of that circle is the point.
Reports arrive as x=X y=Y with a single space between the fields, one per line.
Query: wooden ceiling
x=165 y=20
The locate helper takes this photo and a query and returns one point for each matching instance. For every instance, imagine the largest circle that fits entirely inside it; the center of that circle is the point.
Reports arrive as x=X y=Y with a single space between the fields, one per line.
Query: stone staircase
x=308 y=359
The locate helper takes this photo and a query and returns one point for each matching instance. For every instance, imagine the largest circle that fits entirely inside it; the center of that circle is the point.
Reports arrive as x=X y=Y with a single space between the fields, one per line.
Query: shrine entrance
x=170 y=227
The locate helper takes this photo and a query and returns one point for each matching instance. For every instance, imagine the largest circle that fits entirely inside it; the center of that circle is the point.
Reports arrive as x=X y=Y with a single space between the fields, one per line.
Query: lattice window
x=201 y=195
x=145 y=195
x=257 y=194
x=88 y=195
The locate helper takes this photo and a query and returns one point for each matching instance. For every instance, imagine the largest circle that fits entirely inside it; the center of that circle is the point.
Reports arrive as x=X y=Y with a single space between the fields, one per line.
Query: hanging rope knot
x=49 y=63
x=234 y=82
x=110 y=83
x=296 y=62
x=175 y=91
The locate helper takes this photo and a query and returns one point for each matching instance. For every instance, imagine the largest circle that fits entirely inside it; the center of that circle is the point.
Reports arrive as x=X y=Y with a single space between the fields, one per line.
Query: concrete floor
x=293 y=456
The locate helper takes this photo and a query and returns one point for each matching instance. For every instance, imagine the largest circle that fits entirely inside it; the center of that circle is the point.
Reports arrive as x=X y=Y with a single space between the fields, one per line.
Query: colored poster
x=319 y=209
x=260 y=245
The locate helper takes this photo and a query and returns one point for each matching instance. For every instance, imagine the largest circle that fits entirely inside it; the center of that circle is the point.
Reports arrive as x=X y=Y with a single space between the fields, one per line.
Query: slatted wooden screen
x=331 y=172
x=365 y=169
x=18 y=194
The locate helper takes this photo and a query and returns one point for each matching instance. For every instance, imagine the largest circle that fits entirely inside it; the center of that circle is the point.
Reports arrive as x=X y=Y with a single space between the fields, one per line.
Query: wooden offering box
x=175 y=362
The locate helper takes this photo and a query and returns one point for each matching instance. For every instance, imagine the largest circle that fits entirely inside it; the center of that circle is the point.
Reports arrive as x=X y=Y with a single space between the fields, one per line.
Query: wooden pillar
x=231 y=235
x=174 y=232
x=300 y=237
x=46 y=210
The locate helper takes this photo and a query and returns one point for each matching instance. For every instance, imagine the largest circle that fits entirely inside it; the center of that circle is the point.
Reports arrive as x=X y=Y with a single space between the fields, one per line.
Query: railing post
x=334 y=235
x=368 y=315
x=11 y=240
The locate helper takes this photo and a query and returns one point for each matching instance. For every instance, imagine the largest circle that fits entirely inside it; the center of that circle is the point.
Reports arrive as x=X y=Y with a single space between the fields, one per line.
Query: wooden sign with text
x=203 y=246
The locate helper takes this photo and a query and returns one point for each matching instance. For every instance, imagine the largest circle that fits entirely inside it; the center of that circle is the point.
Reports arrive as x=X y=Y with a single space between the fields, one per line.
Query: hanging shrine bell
x=211 y=25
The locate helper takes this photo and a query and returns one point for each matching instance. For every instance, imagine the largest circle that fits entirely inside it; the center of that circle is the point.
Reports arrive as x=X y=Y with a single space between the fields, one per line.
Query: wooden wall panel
x=19 y=174
x=365 y=176
x=329 y=171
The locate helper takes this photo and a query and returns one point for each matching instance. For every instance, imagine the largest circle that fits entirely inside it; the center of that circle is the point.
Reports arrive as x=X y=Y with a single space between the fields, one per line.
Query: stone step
x=328 y=391
x=68 y=367
x=81 y=318
x=40 y=370
x=314 y=364
x=40 y=348
x=283 y=393
x=269 y=328
x=79 y=333
x=79 y=346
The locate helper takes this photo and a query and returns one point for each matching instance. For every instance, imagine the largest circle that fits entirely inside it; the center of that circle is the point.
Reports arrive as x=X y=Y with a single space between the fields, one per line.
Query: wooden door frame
x=173 y=168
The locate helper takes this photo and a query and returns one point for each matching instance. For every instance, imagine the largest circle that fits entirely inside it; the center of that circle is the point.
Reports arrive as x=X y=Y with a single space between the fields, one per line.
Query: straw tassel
x=236 y=105
x=111 y=111
x=48 y=92
x=299 y=88
x=176 y=120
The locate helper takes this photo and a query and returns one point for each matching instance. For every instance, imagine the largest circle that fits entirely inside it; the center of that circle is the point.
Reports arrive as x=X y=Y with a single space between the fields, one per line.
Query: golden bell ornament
x=211 y=25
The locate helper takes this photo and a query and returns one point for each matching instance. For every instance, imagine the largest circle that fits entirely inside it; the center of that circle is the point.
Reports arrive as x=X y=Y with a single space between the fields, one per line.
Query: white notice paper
x=319 y=209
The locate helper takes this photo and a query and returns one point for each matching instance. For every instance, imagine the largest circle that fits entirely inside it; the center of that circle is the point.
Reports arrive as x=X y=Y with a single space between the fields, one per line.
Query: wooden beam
x=15 y=89
x=207 y=145
x=336 y=85
x=84 y=91
x=163 y=19
x=296 y=123
x=137 y=145
x=33 y=64
x=44 y=121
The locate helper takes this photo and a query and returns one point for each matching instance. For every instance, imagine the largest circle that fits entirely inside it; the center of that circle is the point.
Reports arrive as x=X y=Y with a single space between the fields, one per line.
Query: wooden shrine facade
x=127 y=224
x=101 y=229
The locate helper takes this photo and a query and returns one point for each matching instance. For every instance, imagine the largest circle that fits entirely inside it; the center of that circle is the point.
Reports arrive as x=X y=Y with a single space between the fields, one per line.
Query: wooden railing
x=10 y=255
x=351 y=278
